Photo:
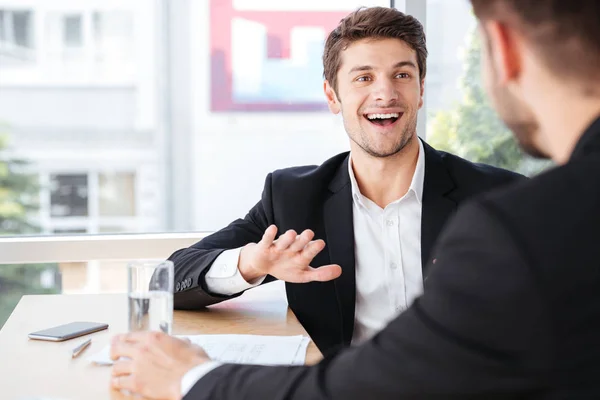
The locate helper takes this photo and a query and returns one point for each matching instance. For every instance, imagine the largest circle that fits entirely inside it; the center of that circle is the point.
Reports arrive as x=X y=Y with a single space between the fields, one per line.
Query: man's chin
x=385 y=152
x=533 y=151
x=382 y=154
x=525 y=134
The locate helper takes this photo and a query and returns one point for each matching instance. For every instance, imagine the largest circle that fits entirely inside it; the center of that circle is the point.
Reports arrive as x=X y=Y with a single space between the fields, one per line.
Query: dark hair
x=375 y=23
x=565 y=33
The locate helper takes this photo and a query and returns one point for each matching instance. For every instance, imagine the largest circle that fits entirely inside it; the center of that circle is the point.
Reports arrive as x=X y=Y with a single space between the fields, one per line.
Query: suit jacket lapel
x=437 y=206
x=339 y=230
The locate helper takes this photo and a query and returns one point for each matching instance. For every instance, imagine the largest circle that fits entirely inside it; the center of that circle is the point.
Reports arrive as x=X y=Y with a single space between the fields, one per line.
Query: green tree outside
x=471 y=129
x=19 y=193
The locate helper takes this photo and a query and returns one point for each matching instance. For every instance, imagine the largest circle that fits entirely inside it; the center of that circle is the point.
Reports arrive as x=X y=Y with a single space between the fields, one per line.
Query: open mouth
x=383 y=119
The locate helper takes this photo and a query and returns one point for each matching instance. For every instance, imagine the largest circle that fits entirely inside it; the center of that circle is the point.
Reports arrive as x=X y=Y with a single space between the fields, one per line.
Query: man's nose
x=385 y=91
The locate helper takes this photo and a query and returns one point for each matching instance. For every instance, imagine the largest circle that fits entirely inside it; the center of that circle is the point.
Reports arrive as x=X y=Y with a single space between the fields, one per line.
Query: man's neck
x=385 y=180
x=565 y=117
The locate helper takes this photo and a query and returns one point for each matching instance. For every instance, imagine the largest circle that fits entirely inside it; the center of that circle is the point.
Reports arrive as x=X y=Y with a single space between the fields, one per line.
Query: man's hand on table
x=156 y=364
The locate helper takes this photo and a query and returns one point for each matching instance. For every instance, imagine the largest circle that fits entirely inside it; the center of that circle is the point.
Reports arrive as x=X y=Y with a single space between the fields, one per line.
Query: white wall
x=233 y=152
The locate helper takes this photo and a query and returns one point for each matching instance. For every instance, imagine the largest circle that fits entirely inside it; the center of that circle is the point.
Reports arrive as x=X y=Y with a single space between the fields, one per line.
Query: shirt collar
x=416 y=185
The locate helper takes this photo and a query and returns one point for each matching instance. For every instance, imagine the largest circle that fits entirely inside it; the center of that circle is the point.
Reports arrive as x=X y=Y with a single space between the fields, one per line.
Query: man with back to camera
x=379 y=209
x=511 y=308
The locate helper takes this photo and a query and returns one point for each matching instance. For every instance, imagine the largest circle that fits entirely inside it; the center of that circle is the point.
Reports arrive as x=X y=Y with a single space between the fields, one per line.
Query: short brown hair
x=375 y=23
x=565 y=33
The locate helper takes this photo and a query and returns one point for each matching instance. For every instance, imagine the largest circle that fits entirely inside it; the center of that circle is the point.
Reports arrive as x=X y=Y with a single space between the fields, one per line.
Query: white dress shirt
x=225 y=278
x=387 y=249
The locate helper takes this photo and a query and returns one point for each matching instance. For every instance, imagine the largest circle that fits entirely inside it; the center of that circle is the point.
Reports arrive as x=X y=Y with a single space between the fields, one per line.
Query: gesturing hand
x=288 y=258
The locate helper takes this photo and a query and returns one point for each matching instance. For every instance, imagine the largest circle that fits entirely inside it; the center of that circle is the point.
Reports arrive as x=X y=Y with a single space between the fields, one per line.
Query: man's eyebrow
x=370 y=68
x=405 y=64
x=361 y=68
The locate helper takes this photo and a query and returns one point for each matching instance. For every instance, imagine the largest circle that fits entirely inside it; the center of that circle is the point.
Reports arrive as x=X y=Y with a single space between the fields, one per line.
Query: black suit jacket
x=511 y=308
x=320 y=198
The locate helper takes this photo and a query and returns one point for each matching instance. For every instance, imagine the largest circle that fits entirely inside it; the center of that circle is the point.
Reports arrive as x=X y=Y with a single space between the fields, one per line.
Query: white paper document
x=241 y=349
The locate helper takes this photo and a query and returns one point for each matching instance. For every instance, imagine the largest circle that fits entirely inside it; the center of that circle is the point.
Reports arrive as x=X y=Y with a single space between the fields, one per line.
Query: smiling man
x=379 y=209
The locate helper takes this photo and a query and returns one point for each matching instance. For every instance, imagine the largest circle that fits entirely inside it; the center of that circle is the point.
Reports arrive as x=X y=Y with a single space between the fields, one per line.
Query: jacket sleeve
x=192 y=263
x=480 y=328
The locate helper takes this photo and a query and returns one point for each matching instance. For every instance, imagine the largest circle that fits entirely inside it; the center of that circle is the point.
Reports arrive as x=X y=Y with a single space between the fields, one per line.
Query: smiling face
x=379 y=93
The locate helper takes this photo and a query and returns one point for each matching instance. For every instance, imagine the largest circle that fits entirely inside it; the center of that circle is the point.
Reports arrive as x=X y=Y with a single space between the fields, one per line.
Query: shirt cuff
x=195 y=374
x=225 y=278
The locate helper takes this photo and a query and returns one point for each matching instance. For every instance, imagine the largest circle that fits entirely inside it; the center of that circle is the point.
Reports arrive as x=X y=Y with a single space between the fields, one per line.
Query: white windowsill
x=80 y=248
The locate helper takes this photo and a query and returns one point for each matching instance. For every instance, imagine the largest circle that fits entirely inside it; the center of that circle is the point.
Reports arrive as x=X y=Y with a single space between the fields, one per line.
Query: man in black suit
x=511 y=308
x=379 y=210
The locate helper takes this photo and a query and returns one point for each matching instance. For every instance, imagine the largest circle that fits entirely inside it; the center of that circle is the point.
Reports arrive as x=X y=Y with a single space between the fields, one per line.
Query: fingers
x=135 y=344
x=120 y=349
x=284 y=241
x=302 y=240
x=124 y=382
x=322 y=274
x=139 y=337
x=291 y=241
x=122 y=367
x=312 y=249
x=268 y=236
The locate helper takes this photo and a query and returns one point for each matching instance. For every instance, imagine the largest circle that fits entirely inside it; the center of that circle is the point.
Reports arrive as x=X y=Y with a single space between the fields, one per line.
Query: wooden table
x=32 y=368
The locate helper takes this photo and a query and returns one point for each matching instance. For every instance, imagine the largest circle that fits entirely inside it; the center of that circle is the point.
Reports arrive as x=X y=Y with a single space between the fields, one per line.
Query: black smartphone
x=67 y=331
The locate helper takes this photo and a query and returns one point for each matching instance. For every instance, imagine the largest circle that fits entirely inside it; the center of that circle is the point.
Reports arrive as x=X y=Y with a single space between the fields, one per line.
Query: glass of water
x=150 y=292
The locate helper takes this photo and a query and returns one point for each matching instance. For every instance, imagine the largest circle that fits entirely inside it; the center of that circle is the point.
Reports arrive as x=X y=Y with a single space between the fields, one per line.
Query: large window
x=154 y=116
x=86 y=114
x=459 y=116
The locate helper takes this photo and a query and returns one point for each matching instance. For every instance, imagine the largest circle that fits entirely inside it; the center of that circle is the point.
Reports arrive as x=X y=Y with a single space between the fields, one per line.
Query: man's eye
x=403 y=75
x=363 y=79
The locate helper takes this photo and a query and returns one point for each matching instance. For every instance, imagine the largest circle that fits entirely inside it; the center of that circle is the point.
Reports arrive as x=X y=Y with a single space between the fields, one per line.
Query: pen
x=77 y=350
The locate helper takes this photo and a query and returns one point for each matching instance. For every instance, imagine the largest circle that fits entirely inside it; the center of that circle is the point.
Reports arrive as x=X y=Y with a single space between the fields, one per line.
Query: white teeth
x=383 y=116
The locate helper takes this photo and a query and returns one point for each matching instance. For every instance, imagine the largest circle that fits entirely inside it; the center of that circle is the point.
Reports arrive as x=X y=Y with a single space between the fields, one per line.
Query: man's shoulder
x=564 y=197
x=464 y=170
x=469 y=178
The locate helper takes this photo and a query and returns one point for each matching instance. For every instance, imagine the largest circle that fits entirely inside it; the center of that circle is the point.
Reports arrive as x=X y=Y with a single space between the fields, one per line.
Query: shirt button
x=393 y=265
x=389 y=222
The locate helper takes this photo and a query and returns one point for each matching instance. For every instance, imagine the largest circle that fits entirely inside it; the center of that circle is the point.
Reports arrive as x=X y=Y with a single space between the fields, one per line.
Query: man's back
x=511 y=308
x=528 y=279
x=554 y=220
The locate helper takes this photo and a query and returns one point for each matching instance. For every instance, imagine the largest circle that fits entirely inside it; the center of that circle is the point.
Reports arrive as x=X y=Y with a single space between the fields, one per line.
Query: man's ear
x=332 y=100
x=504 y=51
